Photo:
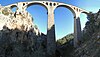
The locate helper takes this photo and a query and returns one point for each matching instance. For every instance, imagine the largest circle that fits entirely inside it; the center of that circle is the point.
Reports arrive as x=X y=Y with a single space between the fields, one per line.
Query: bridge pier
x=77 y=32
x=51 y=41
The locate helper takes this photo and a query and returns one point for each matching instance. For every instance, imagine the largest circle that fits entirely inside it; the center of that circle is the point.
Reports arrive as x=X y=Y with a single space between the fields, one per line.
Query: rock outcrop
x=91 y=38
x=19 y=36
x=90 y=44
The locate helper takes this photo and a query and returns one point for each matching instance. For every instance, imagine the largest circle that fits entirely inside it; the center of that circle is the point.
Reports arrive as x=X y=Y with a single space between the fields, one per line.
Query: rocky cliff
x=19 y=36
x=90 y=44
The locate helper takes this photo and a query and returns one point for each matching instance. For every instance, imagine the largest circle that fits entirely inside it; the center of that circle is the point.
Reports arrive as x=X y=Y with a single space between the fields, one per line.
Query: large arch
x=67 y=25
x=36 y=3
x=40 y=21
x=77 y=26
x=67 y=6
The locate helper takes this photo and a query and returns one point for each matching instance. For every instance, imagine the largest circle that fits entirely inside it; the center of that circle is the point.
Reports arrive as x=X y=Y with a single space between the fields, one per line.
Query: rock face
x=19 y=36
x=91 y=38
x=90 y=48
x=90 y=44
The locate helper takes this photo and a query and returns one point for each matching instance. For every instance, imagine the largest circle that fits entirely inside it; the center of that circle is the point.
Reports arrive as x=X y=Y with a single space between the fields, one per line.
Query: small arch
x=77 y=9
x=74 y=8
x=50 y=4
x=23 y=4
x=13 y=8
x=54 y=4
x=46 y=3
x=57 y=3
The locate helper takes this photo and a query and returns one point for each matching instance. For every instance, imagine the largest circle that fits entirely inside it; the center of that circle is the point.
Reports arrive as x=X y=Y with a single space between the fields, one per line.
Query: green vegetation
x=5 y=11
x=64 y=45
x=65 y=39
x=91 y=26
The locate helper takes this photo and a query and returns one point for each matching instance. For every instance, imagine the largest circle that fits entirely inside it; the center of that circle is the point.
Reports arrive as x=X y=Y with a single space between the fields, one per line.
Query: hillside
x=65 y=39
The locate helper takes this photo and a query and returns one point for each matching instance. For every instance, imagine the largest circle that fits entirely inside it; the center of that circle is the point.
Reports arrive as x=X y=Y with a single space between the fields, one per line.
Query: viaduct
x=51 y=6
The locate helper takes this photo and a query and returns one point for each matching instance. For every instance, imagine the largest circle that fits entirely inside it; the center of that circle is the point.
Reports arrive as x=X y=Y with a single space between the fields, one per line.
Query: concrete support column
x=51 y=42
x=77 y=31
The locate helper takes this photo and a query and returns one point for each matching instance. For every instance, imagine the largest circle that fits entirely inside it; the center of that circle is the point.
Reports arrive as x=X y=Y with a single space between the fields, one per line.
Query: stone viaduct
x=51 y=6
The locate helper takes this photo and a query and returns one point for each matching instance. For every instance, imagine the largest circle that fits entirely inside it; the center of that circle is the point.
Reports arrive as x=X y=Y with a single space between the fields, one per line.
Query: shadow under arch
x=64 y=21
x=39 y=14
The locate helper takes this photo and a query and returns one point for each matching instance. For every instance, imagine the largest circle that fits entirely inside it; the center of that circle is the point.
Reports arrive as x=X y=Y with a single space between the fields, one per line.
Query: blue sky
x=63 y=17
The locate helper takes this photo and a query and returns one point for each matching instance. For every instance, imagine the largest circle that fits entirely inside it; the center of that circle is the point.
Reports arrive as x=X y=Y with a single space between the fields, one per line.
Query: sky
x=64 y=21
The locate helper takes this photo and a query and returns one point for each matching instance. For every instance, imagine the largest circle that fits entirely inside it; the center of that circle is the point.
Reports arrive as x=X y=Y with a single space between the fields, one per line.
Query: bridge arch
x=85 y=12
x=62 y=14
x=37 y=3
x=68 y=7
x=39 y=10
x=12 y=6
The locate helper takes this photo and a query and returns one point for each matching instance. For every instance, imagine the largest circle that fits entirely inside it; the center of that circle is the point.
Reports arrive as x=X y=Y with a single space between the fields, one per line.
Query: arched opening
x=39 y=14
x=64 y=23
x=83 y=20
x=14 y=8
